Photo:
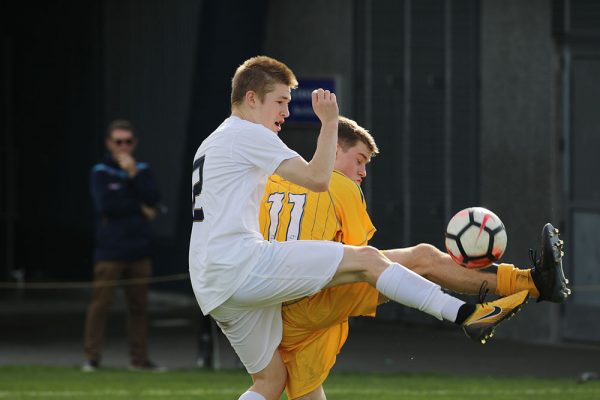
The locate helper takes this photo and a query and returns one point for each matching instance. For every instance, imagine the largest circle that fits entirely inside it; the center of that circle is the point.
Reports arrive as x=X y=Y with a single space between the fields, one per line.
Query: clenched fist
x=325 y=105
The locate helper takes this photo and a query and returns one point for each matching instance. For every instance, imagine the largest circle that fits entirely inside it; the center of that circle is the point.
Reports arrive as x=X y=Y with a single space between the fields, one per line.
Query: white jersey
x=231 y=167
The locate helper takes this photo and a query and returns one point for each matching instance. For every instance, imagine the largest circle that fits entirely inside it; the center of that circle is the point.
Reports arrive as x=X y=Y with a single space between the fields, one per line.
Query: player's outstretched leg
x=481 y=324
x=547 y=271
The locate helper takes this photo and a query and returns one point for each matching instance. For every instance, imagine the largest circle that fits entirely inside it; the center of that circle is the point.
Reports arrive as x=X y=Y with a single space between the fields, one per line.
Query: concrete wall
x=519 y=146
x=314 y=38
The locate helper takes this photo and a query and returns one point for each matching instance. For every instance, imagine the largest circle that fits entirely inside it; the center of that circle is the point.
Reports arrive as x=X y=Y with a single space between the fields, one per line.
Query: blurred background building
x=472 y=102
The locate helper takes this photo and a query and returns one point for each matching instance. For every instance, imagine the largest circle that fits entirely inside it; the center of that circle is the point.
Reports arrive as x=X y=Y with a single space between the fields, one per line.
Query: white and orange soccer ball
x=476 y=237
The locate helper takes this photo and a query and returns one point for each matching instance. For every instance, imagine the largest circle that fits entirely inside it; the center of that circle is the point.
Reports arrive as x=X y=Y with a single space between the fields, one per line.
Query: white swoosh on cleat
x=497 y=310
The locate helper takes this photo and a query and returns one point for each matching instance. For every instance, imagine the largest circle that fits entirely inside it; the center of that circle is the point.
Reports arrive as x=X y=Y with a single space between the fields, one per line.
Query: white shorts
x=251 y=317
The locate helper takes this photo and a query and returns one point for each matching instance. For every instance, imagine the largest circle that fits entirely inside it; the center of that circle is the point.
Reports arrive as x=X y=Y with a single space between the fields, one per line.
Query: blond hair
x=349 y=133
x=260 y=74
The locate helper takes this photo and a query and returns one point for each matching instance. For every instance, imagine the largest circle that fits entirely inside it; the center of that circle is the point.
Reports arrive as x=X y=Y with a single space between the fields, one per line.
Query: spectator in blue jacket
x=125 y=197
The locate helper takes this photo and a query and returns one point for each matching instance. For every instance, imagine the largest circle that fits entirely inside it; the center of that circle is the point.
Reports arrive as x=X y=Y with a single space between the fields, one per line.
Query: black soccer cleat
x=547 y=272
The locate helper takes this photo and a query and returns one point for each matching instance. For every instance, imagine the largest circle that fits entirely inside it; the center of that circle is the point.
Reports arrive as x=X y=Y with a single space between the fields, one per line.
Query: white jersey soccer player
x=227 y=250
x=230 y=172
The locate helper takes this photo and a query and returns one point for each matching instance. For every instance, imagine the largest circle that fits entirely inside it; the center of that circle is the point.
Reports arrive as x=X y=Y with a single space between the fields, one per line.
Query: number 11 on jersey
x=197 y=212
x=295 y=217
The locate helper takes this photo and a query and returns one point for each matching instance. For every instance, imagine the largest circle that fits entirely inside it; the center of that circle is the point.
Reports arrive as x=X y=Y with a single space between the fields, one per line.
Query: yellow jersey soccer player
x=315 y=328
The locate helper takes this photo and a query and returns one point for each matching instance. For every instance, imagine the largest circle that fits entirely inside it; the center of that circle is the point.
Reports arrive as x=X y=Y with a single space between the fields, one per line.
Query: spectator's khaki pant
x=137 y=300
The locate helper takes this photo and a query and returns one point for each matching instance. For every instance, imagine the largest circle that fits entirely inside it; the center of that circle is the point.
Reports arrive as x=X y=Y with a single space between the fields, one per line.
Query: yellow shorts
x=315 y=329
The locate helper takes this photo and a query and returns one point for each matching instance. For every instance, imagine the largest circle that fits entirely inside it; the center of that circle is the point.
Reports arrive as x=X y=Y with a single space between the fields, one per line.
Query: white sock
x=252 y=396
x=402 y=285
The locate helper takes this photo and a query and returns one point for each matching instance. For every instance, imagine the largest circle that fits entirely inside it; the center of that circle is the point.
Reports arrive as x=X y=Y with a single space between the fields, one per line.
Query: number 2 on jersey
x=197 y=212
x=293 y=229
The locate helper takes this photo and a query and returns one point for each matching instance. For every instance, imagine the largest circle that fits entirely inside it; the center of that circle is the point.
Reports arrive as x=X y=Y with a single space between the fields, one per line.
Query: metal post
x=448 y=110
x=406 y=150
x=10 y=193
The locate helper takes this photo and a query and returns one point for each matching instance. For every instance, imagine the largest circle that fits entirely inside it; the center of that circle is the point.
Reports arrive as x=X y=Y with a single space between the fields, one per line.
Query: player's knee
x=370 y=256
x=426 y=250
x=426 y=258
x=372 y=263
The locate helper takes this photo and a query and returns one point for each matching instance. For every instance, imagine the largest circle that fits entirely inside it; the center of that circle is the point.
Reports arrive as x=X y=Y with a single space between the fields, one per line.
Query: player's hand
x=325 y=105
x=127 y=162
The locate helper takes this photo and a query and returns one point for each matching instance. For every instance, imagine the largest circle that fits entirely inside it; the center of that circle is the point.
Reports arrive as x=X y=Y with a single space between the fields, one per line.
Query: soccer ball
x=475 y=237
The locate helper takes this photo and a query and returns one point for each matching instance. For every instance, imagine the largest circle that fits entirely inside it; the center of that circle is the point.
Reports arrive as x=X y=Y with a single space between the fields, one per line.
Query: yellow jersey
x=292 y=212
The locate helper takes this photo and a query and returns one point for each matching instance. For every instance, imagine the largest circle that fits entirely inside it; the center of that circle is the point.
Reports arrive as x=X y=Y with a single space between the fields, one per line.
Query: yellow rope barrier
x=87 y=284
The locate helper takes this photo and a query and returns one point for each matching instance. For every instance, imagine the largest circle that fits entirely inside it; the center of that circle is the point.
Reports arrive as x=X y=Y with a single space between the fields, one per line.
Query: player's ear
x=251 y=98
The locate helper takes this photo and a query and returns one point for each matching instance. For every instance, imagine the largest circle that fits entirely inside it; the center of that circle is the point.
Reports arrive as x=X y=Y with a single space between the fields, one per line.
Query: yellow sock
x=510 y=279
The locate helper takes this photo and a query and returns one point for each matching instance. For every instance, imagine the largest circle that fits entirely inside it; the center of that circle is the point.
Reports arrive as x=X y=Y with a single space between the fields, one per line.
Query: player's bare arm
x=315 y=175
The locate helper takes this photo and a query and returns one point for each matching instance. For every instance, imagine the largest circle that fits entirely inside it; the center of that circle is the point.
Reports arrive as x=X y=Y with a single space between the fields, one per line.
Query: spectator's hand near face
x=148 y=212
x=127 y=162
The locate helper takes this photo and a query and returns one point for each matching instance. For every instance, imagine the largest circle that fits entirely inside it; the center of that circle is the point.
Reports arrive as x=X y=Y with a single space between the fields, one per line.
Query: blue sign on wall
x=301 y=111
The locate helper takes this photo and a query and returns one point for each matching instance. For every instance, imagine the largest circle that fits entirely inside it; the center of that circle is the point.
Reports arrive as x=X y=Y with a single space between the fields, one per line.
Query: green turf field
x=69 y=383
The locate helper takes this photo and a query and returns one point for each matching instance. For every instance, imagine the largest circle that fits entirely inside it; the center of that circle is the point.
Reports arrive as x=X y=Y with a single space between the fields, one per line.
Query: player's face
x=353 y=162
x=273 y=110
x=121 y=141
